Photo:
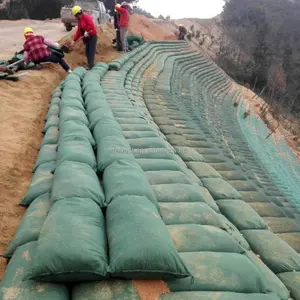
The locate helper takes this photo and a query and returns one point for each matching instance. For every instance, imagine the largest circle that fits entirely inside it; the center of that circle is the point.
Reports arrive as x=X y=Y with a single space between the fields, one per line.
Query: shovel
x=67 y=46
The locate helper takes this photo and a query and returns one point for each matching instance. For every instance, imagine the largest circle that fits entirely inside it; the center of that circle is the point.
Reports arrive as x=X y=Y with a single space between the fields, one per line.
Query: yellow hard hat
x=76 y=9
x=27 y=30
x=180 y=25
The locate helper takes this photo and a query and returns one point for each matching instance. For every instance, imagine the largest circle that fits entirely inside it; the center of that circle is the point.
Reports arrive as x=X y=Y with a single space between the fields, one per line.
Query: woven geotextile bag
x=53 y=110
x=72 y=244
x=188 y=154
x=158 y=164
x=31 y=224
x=107 y=127
x=97 y=115
x=41 y=183
x=291 y=281
x=15 y=286
x=51 y=136
x=67 y=102
x=196 y=238
x=77 y=149
x=76 y=180
x=216 y=296
x=151 y=254
x=140 y=134
x=203 y=170
x=53 y=120
x=46 y=154
x=125 y=177
x=73 y=113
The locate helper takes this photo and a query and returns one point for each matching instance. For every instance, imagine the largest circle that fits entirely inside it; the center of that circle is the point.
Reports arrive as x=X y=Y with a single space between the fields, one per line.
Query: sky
x=178 y=9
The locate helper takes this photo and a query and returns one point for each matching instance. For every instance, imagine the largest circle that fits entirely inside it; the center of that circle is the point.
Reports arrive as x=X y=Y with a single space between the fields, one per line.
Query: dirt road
x=11 y=34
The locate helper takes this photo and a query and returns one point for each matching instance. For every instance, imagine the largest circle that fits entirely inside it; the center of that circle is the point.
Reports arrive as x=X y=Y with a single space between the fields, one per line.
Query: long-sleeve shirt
x=85 y=23
x=124 y=16
x=35 y=48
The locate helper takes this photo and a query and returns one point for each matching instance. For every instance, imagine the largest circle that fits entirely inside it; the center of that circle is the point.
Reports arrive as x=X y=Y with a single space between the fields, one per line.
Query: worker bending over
x=86 y=29
x=123 y=10
x=35 y=50
x=182 y=32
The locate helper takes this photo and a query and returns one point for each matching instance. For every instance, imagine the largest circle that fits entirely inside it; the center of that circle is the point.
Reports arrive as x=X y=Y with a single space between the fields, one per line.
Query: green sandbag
x=14 y=286
x=140 y=134
x=151 y=254
x=195 y=238
x=72 y=244
x=75 y=129
x=203 y=170
x=94 y=101
x=55 y=100
x=267 y=209
x=72 y=94
x=106 y=290
x=169 y=129
x=291 y=281
x=216 y=296
x=273 y=251
x=282 y=225
x=96 y=115
x=76 y=149
x=242 y=185
x=51 y=136
x=227 y=272
x=158 y=164
x=148 y=143
x=178 y=140
x=232 y=175
x=65 y=102
x=136 y=127
x=167 y=177
x=188 y=154
x=53 y=110
x=242 y=215
x=76 y=180
x=31 y=224
x=136 y=120
x=153 y=153
x=53 y=120
x=111 y=149
x=189 y=213
x=220 y=189
x=223 y=166
x=106 y=128
x=72 y=113
x=41 y=183
x=47 y=153
x=256 y=196
x=125 y=177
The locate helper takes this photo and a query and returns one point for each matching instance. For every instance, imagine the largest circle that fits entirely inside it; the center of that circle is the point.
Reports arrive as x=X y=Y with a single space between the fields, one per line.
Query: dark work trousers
x=55 y=59
x=118 y=38
x=90 y=50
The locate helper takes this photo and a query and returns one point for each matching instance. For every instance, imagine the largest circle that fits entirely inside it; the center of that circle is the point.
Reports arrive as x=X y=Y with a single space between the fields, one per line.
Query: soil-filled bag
x=140 y=246
x=47 y=153
x=125 y=177
x=96 y=115
x=14 y=286
x=74 y=179
x=77 y=149
x=51 y=136
x=72 y=113
x=75 y=129
x=41 y=182
x=31 y=224
x=72 y=244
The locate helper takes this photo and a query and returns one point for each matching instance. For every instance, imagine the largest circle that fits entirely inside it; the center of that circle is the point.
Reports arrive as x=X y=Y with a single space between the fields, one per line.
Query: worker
x=87 y=30
x=182 y=32
x=35 y=50
x=117 y=40
x=123 y=10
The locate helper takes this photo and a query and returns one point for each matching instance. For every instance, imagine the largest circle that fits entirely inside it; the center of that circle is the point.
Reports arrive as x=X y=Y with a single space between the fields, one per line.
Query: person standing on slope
x=87 y=29
x=123 y=10
x=117 y=29
x=35 y=50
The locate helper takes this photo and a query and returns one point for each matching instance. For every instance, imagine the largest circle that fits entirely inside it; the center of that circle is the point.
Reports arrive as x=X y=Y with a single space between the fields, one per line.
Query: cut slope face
x=171 y=170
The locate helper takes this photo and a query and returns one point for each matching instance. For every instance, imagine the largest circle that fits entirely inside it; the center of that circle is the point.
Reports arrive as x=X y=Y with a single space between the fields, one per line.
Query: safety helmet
x=76 y=9
x=118 y=5
x=28 y=31
x=180 y=25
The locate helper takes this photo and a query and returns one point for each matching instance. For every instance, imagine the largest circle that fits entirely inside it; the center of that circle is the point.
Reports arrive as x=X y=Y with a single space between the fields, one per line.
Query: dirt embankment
x=24 y=105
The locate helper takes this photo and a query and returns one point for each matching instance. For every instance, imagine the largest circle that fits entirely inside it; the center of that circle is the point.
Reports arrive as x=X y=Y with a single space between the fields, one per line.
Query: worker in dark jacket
x=182 y=32
x=117 y=40
x=87 y=29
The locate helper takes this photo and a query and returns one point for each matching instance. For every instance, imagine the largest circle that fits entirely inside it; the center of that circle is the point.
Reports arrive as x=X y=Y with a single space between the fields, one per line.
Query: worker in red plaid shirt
x=35 y=50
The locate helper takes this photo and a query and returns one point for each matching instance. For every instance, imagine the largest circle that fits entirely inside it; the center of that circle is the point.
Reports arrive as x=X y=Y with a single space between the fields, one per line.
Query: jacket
x=85 y=23
x=124 y=16
x=35 y=48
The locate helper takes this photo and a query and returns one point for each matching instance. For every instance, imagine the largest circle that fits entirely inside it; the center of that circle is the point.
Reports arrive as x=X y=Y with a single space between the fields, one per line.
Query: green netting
x=74 y=179
x=216 y=296
x=14 y=285
x=106 y=290
x=47 y=153
x=72 y=244
x=242 y=215
x=204 y=238
x=31 y=224
x=273 y=251
x=76 y=149
x=151 y=254
x=125 y=177
x=41 y=183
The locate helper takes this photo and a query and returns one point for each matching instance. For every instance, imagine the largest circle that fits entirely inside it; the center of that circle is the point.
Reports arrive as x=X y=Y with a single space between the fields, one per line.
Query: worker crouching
x=86 y=29
x=35 y=50
x=182 y=32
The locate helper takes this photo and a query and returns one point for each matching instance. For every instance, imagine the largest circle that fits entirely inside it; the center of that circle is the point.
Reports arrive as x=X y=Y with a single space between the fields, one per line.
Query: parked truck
x=92 y=7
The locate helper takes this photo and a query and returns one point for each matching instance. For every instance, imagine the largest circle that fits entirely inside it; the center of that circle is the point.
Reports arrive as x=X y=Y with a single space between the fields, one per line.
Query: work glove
x=57 y=45
x=86 y=34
